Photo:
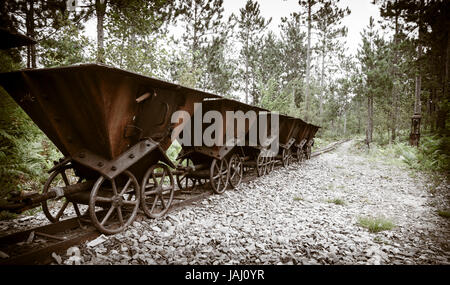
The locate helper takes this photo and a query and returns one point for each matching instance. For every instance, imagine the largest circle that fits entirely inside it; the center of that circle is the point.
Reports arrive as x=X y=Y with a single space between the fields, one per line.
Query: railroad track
x=36 y=245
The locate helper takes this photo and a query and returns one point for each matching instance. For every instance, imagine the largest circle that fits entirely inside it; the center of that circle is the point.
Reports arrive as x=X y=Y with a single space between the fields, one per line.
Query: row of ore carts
x=114 y=128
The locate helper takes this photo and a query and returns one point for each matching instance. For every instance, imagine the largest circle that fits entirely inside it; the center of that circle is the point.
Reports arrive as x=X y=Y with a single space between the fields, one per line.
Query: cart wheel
x=260 y=165
x=267 y=163
x=286 y=157
x=270 y=164
x=308 y=152
x=300 y=156
x=59 y=178
x=157 y=191
x=236 y=170
x=121 y=196
x=183 y=181
x=219 y=175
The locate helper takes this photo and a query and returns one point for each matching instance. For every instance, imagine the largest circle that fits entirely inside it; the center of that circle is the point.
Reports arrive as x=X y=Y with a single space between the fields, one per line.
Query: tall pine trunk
x=443 y=110
x=31 y=49
x=345 y=123
x=394 y=86
x=369 y=132
x=100 y=9
x=246 y=67
x=359 y=114
x=308 y=61
x=322 y=75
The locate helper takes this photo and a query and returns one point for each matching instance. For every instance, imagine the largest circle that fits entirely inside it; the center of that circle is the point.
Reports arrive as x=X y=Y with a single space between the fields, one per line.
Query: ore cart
x=258 y=154
x=113 y=128
x=312 y=130
x=221 y=162
x=300 y=135
x=286 y=139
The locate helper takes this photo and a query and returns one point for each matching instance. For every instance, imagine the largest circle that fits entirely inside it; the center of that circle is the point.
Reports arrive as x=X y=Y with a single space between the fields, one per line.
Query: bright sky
x=361 y=10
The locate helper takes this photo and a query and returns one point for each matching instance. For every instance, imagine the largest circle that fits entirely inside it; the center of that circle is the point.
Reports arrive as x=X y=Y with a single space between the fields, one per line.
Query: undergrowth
x=375 y=225
x=336 y=201
x=430 y=156
x=25 y=152
x=444 y=214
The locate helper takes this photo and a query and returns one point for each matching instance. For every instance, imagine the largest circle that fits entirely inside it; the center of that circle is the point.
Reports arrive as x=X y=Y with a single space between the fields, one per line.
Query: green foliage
x=375 y=225
x=173 y=150
x=251 y=27
x=64 y=48
x=427 y=157
x=323 y=141
x=25 y=152
x=5 y=215
x=444 y=214
x=336 y=201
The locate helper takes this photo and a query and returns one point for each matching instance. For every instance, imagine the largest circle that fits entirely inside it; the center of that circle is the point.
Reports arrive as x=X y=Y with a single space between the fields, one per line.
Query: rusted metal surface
x=108 y=121
x=286 y=130
x=312 y=131
x=9 y=39
x=111 y=168
x=220 y=150
x=89 y=106
x=36 y=200
x=301 y=132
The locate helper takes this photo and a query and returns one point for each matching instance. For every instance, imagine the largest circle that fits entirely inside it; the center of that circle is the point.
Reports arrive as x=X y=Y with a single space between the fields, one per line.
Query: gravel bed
x=288 y=217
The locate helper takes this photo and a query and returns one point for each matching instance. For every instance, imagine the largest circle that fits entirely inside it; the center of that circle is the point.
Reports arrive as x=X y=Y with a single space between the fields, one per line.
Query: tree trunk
x=100 y=9
x=292 y=106
x=369 y=132
x=31 y=49
x=246 y=68
x=308 y=61
x=417 y=102
x=195 y=40
x=395 y=80
x=443 y=110
x=414 y=137
x=345 y=123
x=359 y=115
x=322 y=75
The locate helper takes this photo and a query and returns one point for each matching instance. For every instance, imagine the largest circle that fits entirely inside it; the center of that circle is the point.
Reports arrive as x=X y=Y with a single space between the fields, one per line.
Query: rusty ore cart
x=312 y=130
x=113 y=127
x=222 y=162
x=300 y=133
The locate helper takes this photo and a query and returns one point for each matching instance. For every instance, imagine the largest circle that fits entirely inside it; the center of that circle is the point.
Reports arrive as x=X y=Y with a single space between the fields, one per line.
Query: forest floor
x=327 y=211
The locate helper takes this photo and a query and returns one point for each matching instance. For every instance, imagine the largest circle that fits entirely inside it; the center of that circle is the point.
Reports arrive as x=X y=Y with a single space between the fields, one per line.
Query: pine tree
x=293 y=58
x=251 y=26
x=201 y=18
x=330 y=30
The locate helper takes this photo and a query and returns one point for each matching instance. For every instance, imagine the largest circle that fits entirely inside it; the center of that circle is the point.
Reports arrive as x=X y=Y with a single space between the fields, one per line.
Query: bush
x=25 y=152
x=429 y=156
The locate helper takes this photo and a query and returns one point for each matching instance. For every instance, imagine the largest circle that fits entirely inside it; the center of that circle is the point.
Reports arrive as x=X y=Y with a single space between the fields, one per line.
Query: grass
x=444 y=214
x=336 y=201
x=375 y=225
x=298 y=199
x=380 y=240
